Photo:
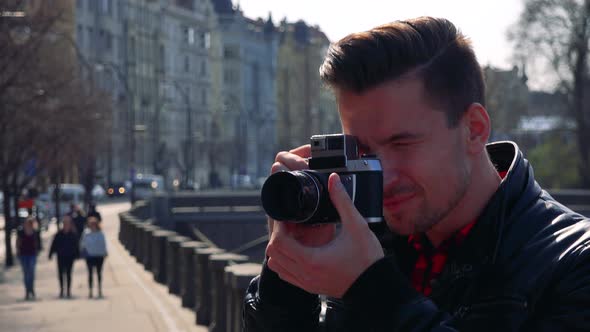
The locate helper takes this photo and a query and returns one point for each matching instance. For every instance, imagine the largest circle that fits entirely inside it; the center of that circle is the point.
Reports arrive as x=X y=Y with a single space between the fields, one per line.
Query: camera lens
x=290 y=196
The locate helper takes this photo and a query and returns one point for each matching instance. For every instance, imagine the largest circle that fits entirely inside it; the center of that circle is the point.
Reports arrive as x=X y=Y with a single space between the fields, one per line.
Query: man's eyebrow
x=400 y=137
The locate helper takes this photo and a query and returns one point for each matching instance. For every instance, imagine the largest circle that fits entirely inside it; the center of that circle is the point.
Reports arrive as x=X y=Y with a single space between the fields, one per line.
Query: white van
x=70 y=193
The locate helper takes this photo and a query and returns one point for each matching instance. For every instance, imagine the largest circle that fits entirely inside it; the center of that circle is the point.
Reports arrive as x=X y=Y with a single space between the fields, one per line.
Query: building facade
x=153 y=57
x=248 y=49
x=305 y=106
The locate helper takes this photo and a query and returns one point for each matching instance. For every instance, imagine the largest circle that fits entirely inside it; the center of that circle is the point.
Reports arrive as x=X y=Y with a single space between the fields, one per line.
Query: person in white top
x=94 y=247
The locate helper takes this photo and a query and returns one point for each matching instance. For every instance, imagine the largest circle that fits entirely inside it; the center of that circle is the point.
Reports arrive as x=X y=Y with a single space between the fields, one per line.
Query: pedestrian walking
x=65 y=244
x=28 y=246
x=92 y=212
x=79 y=218
x=94 y=248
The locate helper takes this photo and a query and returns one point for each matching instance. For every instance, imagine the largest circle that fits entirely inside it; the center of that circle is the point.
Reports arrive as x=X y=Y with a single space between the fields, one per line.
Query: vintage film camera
x=302 y=196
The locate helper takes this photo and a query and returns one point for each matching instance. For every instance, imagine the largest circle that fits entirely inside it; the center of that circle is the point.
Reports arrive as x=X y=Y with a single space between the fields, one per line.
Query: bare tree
x=557 y=33
x=50 y=115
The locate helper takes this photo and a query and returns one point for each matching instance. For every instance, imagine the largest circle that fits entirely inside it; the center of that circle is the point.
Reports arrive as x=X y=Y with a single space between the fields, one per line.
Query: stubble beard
x=426 y=216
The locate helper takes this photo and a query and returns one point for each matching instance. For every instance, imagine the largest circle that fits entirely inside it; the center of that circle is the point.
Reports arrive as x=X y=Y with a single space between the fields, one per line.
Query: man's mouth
x=394 y=202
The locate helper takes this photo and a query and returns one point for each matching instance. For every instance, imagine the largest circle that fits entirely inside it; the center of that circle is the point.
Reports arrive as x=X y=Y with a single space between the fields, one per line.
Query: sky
x=484 y=22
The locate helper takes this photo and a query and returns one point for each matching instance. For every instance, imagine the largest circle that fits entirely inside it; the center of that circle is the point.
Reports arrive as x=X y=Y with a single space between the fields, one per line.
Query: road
x=132 y=301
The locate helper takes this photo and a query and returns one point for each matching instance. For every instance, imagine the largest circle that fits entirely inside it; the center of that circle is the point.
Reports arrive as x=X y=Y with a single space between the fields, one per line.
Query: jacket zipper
x=513 y=302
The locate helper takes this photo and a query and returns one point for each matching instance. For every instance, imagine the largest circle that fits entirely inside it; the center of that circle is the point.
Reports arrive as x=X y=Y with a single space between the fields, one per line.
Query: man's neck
x=484 y=183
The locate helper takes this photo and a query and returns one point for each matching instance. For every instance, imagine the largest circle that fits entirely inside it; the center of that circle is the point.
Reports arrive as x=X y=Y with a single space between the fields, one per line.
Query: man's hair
x=430 y=49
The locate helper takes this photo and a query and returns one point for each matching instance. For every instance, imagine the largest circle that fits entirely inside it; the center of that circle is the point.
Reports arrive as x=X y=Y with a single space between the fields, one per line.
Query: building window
x=162 y=58
x=108 y=41
x=92 y=6
x=132 y=48
x=188 y=35
x=80 y=36
x=80 y=4
x=105 y=7
x=203 y=68
x=121 y=12
x=121 y=47
x=203 y=40
x=187 y=64
x=90 y=38
x=231 y=52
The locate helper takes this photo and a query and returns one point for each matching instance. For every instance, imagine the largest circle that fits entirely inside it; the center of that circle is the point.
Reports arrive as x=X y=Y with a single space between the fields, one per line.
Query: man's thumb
x=349 y=215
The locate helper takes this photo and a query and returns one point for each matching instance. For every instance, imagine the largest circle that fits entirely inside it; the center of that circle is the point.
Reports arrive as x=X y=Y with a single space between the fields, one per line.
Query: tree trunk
x=580 y=72
x=7 y=228
x=56 y=198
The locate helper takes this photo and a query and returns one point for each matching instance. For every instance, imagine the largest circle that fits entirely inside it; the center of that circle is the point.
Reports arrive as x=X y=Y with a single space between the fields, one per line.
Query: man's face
x=426 y=169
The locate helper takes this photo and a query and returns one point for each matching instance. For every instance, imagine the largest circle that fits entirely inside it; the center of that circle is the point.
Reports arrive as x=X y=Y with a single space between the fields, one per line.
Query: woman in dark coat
x=28 y=245
x=65 y=245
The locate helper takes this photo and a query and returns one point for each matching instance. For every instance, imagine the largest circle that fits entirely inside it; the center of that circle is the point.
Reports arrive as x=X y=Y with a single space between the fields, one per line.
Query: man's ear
x=478 y=126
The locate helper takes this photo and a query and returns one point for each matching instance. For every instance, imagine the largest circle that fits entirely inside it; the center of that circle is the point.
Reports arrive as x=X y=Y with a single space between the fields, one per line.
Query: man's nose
x=390 y=177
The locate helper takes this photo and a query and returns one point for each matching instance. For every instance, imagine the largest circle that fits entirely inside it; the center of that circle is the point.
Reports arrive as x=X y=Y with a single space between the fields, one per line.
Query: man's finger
x=291 y=160
x=283 y=273
x=302 y=151
x=277 y=167
x=284 y=242
x=349 y=215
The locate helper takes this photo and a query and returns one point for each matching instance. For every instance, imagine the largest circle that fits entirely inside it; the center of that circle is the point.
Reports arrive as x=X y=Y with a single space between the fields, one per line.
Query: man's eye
x=364 y=150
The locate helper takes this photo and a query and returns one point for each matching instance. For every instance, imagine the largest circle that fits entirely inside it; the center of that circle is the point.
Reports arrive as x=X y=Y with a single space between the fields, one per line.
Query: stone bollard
x=187 y=272
x=237 y=280
x=173 y=262
x=139 y=238
x=122 y=225
x=133 y=225
x=147 y=246
x=158 y=246
x=203 y=284
x=217 y=265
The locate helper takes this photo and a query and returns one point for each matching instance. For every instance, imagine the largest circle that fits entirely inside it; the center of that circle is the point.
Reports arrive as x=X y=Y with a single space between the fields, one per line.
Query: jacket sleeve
x=272 y=304
x=383 y=298
x=53 y=245
x=569 y=308
x=39 y=241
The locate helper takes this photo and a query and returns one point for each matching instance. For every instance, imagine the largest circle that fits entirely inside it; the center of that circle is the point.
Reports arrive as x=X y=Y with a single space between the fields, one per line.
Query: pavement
x=132 y=301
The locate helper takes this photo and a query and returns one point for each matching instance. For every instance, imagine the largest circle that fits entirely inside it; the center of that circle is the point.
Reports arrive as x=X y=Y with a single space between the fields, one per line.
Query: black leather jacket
x=525 y=266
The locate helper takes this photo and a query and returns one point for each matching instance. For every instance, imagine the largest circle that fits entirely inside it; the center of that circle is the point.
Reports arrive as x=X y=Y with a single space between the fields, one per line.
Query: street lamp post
x=122 y=77
x=188 y=146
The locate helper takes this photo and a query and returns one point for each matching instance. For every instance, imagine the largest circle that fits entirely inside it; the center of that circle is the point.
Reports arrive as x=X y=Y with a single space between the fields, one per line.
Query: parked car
x=117 y=189
x=70 y=193
x=98 y=192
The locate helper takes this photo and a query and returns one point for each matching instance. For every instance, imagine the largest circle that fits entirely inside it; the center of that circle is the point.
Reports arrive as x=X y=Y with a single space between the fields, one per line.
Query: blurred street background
x=182 y=105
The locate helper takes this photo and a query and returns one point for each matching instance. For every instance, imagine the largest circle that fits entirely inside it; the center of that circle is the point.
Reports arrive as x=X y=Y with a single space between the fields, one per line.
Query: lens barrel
x=291 y=196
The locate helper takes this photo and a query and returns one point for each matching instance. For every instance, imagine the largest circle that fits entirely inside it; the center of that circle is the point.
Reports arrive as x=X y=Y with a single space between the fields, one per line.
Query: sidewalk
x=132 y=300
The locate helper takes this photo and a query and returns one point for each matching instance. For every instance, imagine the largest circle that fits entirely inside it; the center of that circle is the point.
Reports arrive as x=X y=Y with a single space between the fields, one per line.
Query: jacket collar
x=516 y=192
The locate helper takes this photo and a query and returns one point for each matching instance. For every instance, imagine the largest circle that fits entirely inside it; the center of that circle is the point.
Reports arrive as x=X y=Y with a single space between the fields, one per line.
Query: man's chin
x=398 y=224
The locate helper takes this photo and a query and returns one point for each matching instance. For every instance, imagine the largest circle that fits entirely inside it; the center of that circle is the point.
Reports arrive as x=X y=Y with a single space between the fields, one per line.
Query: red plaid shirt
x=431 y=261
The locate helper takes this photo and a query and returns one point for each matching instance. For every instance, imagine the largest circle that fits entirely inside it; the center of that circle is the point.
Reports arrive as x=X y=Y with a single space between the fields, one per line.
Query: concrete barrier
x=173 y=262
x=237 y=279
x=147 y=257
x=203 y=284
x=158 y=246
x=140 y=231
x=217 y=265
x=187 y=272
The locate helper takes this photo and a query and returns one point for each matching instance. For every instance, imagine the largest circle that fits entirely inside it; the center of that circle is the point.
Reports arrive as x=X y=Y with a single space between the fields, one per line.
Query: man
x=473 y=244
x=77 y=216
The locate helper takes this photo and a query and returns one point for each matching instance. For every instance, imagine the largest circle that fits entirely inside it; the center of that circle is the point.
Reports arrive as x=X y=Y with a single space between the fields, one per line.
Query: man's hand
x=332 y=267
x=310 y=235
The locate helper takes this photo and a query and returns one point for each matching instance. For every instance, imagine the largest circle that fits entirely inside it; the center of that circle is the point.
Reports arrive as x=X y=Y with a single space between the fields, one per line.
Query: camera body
x=302 y=196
